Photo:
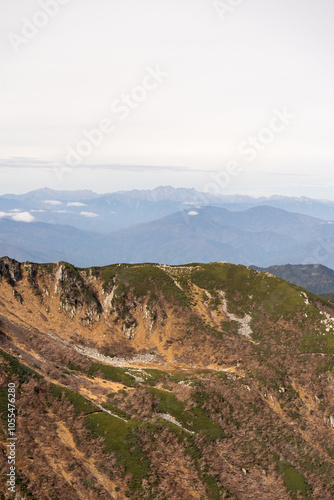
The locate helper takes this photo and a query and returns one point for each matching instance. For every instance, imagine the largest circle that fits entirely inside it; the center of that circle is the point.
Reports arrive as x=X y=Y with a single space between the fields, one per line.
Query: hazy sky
x=181 y=88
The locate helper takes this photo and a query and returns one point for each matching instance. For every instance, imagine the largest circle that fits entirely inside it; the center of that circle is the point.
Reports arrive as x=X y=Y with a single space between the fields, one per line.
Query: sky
x=227 y=96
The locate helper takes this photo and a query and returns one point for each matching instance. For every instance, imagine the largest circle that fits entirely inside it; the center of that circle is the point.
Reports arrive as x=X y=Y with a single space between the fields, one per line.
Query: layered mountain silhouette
x=114 y=211
x=261 y=236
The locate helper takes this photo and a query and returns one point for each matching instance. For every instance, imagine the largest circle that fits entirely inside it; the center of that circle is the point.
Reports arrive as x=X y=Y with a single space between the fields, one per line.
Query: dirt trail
x=67 y=439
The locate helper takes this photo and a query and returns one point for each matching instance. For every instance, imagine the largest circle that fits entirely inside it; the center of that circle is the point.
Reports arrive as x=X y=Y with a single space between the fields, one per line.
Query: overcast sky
x=181 y=88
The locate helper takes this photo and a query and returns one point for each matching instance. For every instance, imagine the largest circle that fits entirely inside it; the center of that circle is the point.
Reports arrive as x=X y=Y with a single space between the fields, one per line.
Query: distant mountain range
x=111 y=212
x=314 y=277
x=261 y=236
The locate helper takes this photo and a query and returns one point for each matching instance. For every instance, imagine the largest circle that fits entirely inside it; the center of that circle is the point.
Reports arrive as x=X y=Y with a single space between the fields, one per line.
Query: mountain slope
x=255 y=236
x=128 y=375
x=50 y=242
x=314 y=277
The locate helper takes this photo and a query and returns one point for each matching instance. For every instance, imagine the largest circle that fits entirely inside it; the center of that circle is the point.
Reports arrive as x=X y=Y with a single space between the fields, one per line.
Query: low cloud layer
x=88 y=214
x=18 y=216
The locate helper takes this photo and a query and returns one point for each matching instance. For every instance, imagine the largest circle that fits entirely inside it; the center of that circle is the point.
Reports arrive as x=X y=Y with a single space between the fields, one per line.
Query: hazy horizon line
x=176 y=188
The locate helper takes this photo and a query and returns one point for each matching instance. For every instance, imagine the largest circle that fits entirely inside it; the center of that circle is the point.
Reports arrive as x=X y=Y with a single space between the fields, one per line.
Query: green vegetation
x=143 y=280
x=193 y=419
x=155 y=376
x=116 y=411
x=121 y=439
x=108 y=273
x=213 y=489
x=15 y=368
x=248 y=286
x=81 y=405
x=168 y=403
x=49 y=268
x=125 y=376
x=113 y=373
x=73 y=367
x=315 y=342
x=72 y=271
x=293 y=480
x=328 y=366
x=202 y=423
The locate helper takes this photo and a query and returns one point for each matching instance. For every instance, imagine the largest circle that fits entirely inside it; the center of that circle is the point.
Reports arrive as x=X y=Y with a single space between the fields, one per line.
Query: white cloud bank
x=76 y=204
x=18 y=217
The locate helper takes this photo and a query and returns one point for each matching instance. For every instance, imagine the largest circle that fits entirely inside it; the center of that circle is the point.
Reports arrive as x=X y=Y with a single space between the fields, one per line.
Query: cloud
x=88 y=214
x=18 y=217
x=23 y=217
x=35 y=163
x=192 y=213
x=76 y=204
x=52 y=202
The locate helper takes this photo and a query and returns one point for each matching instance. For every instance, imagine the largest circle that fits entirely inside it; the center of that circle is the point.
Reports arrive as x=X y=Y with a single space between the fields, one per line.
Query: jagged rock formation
x=10 y=270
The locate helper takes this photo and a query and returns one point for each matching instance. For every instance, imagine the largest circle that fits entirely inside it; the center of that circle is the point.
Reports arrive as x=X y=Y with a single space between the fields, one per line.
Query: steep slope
x=146 y=381
x=314 y=277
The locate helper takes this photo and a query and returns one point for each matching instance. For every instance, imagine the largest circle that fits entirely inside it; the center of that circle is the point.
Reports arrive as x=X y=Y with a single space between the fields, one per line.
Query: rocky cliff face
x=168 y=309
x=129 y=374
x=144 y=307
x=81 y=294
x=10 y=271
